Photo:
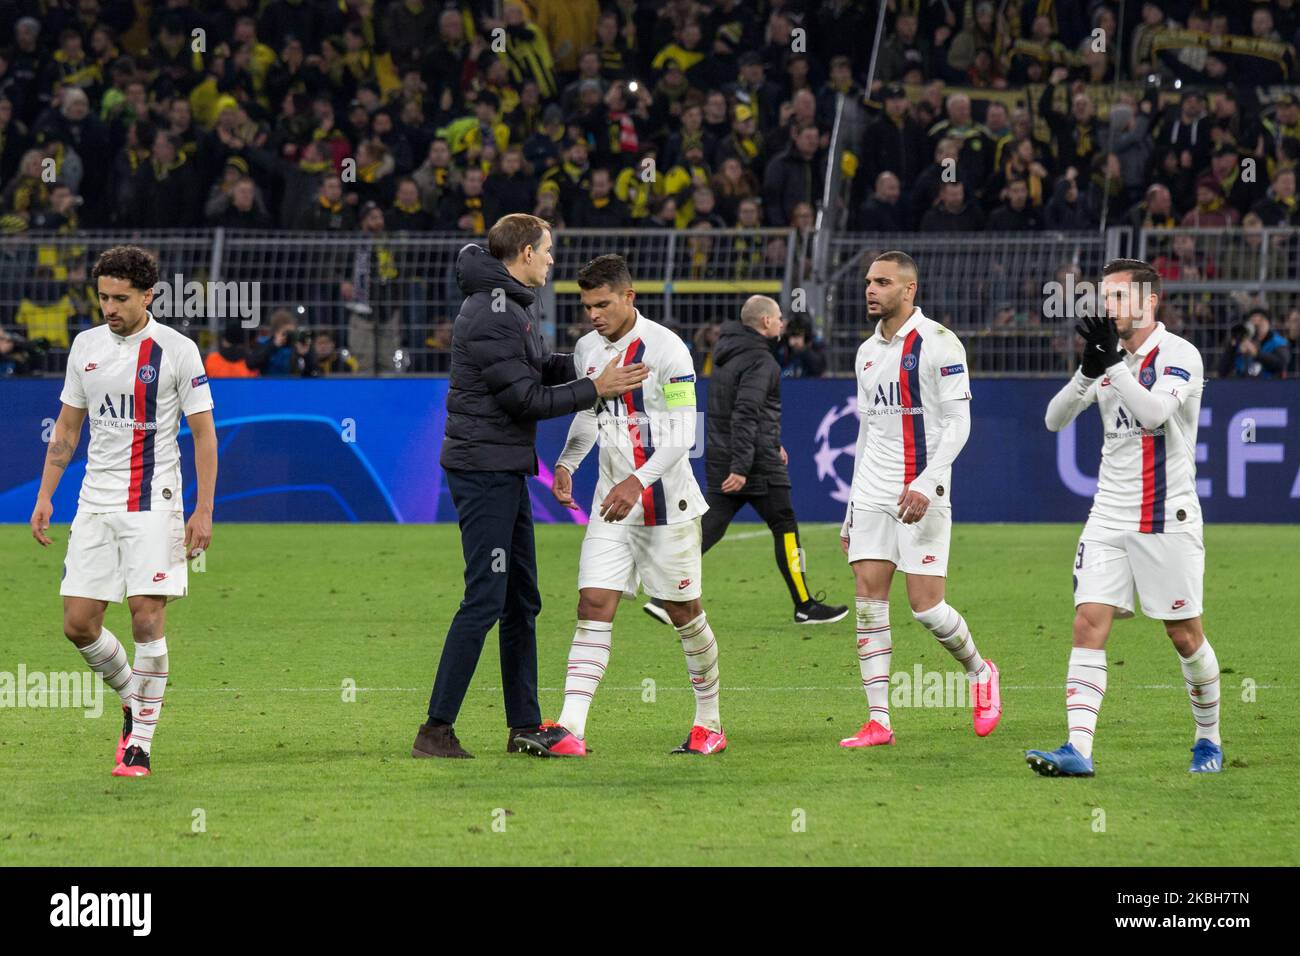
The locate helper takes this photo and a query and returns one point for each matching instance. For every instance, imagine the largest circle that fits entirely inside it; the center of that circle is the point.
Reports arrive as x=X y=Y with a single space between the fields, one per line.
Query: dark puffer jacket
x=744 y=423
x=503 y=377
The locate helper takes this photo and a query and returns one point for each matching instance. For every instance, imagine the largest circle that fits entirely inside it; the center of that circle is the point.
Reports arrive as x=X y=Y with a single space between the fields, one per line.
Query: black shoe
x=438 y=741
x=815 y=612
x=655 y=608
x=135 y=763
x=551 y=740
x=511 y=746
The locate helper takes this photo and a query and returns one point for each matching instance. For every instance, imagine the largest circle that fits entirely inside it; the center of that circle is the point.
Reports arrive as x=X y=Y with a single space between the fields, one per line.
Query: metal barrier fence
x=395 y=313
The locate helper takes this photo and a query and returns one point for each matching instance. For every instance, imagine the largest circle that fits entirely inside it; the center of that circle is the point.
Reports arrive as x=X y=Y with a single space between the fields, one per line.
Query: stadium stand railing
x=994 y=289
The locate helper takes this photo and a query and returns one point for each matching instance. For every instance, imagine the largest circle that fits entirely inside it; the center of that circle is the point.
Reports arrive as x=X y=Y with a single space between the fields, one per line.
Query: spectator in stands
x=14 y=359
x=1064 y=211
x=329 y=359
x=895 y=143
x=331 y=212
x=1130 y=140
x=374 y=293
x=1105 y=199
x=244 y=210
x=1077 y=134
x=1210 y=211
x=466 y=208
x=1279 y=206
x=407 y=214
x=882 y=211
x=1155 y=211
x=663 y=213
x=1186 y=263
x=166 y=188
x=798 y=355
x=1185 y=128
x=599 y=208
x=436 y=177
x=1015 y=214
x=953 y=212
x=1255 y=349
x=1226 y=169
x=732 y=184
x=795 y=176
x=230 y=358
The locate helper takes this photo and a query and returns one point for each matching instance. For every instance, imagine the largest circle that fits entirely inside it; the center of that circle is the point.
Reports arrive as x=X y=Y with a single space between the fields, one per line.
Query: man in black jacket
x=504 y=380
x=744 y=461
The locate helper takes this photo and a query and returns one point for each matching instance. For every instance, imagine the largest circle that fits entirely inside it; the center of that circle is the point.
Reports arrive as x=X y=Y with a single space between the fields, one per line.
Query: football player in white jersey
x=134 y=379
x=914 y=410
x=1144 y=529
x=645 y=522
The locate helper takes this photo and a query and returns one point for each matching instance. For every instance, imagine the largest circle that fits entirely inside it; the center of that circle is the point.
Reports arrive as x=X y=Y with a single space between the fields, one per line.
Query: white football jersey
x=1147 y=480
x=902 y=385
x=135 y=389
x=631 y=427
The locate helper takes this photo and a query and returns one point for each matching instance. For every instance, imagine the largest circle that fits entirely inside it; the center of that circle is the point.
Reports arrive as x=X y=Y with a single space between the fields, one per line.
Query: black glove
x=1100 y=344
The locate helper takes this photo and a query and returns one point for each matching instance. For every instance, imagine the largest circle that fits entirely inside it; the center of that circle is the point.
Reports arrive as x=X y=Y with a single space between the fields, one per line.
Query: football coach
x=504 y=379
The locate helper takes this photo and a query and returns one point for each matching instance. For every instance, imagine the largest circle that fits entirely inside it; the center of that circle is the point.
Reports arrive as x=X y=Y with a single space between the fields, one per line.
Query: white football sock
x=875 y=648
x=1085 y=686
x=150 y=684
x=107 y=657
x=1201 y=672
x=949 y=629
x=701 y=652
x=588 y=658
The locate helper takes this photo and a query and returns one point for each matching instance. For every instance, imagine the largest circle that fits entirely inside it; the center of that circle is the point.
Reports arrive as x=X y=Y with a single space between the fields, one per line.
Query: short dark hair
x=1140 y=272
x=901 y=258
x=610 y=270
x=512 y=233
x=131 y=263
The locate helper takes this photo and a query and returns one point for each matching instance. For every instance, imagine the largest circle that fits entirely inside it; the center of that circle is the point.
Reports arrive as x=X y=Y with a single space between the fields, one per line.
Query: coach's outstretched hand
x=1101 y=344
x=617 y=379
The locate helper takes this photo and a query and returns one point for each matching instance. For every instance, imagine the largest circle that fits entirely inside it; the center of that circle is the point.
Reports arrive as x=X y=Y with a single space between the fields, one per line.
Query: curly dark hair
x=131 y=263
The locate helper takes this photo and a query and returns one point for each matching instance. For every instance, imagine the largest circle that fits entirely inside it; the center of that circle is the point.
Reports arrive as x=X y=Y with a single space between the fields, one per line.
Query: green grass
x=256 y=733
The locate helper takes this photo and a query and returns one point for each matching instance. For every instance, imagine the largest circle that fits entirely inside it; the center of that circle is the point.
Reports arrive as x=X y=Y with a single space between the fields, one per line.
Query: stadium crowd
x=372 y=117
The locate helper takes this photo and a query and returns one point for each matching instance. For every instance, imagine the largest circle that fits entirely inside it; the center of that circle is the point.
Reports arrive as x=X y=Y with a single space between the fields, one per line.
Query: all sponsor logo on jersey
x=887 y=393
x=125 y=407
x=147 y=373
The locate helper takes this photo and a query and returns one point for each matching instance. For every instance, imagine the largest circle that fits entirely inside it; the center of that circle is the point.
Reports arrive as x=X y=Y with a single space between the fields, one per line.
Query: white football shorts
x=919 y=548
x=663 y=560
x=1167 y=571
x=124 y=553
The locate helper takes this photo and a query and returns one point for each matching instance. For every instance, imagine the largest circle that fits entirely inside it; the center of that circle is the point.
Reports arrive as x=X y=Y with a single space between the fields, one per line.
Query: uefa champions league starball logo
x=147 y=373
x=836 y=438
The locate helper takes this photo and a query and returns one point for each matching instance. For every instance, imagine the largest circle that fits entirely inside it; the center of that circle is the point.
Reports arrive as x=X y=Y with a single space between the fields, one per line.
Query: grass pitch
x=260 y=759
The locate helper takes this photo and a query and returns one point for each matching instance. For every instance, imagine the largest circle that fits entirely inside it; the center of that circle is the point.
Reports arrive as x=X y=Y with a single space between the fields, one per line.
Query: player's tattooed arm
x=60 y=452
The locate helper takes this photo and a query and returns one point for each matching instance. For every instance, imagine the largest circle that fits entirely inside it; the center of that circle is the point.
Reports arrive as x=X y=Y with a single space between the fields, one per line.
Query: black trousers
x=496 y=536
x=777 y=510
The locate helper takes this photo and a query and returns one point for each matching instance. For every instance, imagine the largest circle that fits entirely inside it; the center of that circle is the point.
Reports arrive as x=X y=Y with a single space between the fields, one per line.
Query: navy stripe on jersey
x=1152 y=519
x=914 y=452
x=657 y=513
x=150 y=435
